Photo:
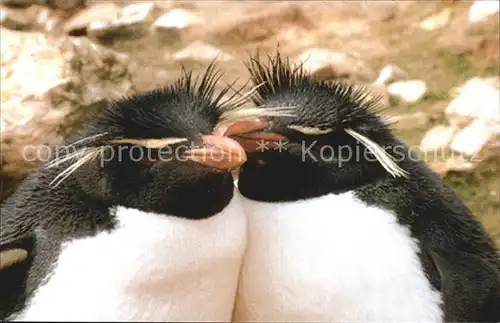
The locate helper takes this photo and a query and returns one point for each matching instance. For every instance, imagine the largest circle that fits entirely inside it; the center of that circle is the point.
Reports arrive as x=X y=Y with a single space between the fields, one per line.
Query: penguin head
x=332 y=140
x=155 y=151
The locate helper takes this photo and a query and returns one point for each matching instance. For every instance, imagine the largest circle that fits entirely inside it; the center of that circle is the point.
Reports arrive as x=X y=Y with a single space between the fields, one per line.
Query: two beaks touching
x=226 y=149
x=239 y=131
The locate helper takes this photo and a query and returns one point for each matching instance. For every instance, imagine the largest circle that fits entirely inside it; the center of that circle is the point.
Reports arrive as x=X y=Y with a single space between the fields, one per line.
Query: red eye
x=149 y=160
x=150 y=157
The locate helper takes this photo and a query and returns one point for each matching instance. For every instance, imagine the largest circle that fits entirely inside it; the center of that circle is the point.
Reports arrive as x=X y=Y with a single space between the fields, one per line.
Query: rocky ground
x=435 y=63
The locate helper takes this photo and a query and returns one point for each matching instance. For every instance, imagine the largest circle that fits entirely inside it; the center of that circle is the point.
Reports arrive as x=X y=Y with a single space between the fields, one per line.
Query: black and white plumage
x=346 y=223
x=117 y=229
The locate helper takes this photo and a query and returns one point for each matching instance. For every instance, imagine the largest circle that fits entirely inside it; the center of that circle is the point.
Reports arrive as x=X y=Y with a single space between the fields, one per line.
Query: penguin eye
x=149 y=157
x=149 y=151
x=148 y=160
x=141 y=154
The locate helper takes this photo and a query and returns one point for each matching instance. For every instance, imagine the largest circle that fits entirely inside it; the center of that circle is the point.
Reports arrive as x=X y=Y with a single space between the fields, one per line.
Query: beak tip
x=249 y=136
x=222 y=153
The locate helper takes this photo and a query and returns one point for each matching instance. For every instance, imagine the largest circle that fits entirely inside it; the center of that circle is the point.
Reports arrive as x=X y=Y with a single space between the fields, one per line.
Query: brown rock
x=345 y=28
x=77 y=25
x=411 y=121
x=493 y=81
x=298 y=36
x=34 y=64
x=17 y=3
x=170 y=25
x=436 y=138
x=481 y=10
x=133 y=22
x=382 y=11
x=470 y=140
x=390 y=73
x=260 y=25
x=459 y=38
x=18 y=19
x=477 y=99
x=438 y=20
x=63 y=4
x=49 y=20
x=49 y=92
x=325 y=64
x=459 y=122
x=200 y=51
x=408 y=91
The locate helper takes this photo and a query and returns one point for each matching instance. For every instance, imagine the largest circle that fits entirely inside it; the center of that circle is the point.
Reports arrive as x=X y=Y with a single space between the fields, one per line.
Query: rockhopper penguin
x=345 y=223
x=135 y=219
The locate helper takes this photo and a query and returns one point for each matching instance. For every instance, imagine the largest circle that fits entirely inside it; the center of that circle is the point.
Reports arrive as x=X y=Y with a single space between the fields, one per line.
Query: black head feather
x=458 y=255
x=331 y=110
x=186 y=108
x=317 y=103
x=40 y=216
x=123 y=174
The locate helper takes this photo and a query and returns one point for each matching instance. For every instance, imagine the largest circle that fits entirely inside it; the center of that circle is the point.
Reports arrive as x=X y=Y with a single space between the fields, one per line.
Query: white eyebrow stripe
x=310 y=130
x=150 y=143
x=87 y=154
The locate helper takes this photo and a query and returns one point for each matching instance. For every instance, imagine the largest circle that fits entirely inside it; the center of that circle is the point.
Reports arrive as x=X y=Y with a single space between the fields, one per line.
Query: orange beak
x=246 y=133
x=220 y=152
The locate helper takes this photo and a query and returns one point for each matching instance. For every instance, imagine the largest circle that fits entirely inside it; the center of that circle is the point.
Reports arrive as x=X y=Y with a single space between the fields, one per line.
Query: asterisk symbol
x=280 y=145
x=262 y=145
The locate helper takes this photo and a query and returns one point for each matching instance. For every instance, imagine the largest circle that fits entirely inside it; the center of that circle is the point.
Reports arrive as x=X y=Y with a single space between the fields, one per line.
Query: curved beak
x=218 y=152
x=251 y=134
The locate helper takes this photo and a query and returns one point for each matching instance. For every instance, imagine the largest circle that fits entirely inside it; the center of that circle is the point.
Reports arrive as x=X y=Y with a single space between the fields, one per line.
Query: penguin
x=135 y=217
x=345 y=222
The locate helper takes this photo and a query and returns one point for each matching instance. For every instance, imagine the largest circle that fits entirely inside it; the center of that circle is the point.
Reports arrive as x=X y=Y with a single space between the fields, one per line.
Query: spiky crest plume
x=200 y=89
x=345 y=106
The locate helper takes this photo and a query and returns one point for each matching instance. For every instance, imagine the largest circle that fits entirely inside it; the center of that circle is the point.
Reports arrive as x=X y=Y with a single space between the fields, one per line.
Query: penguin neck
x=286 y=181
x=68 y=208
x=191 y=198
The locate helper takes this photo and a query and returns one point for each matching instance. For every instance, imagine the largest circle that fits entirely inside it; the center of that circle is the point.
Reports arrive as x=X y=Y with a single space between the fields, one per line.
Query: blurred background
x=435 y=65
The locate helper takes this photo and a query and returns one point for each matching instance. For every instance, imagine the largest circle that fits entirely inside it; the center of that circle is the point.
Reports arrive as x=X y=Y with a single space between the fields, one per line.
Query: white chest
x=331 y=258
x=151 y=268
